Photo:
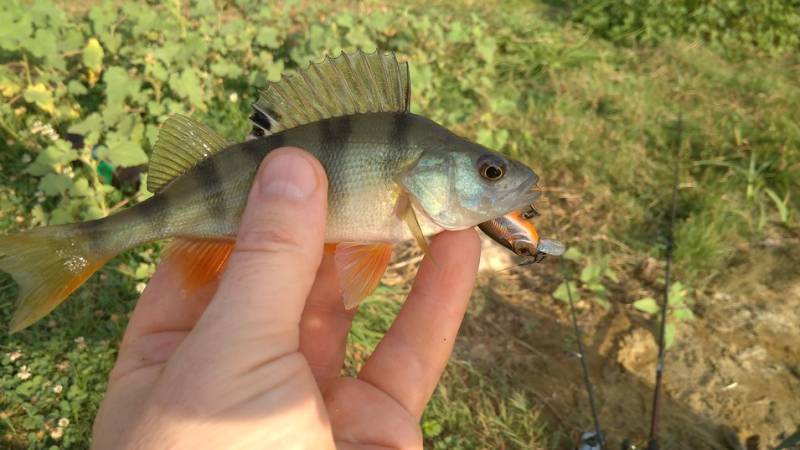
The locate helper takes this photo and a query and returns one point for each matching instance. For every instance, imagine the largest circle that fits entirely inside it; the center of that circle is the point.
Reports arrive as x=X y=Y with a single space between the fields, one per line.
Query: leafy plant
x=592 y=278
x=679 y=310
x=735 y=27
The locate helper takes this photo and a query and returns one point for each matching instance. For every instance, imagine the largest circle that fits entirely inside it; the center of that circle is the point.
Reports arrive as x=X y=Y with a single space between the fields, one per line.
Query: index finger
x=411 y=357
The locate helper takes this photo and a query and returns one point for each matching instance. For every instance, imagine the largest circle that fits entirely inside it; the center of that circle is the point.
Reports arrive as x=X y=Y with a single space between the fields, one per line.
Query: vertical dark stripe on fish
x=100 y=235
x=211 y=181
x=334 y=134
x=153 y=212
x=398 y=136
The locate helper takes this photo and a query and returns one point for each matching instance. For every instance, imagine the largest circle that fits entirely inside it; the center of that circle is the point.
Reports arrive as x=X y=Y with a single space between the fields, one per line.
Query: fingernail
x=288 y=175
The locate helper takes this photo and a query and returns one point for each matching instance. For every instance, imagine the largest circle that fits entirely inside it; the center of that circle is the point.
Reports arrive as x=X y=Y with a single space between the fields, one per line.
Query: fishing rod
x=652 y=441
x=589 y=441
x=596 y=440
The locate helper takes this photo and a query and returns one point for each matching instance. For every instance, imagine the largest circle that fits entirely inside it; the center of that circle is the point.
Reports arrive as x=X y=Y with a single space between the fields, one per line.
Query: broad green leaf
x=54 y=155
x=93 y=122
x=123 y=154
x=144 y=270
x=592 y=273
x=683 y=314
x=573 y=254
x=602 y=302
x=9 y=88
x=39 y=94
x=54 y=184
x=119 y=85
x=43 y=44
x=647 y=304
x=75 y=88
x=80 y=188
x=669 y=335
x=268 y=37
x=93 y=55
x=187 y=85
x=561 y=292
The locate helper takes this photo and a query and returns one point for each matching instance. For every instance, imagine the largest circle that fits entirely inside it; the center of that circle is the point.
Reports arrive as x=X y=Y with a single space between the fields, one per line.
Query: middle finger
x=324 y=325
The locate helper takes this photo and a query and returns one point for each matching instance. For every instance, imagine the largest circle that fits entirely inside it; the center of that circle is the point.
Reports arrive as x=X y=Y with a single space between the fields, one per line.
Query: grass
x=594 y=117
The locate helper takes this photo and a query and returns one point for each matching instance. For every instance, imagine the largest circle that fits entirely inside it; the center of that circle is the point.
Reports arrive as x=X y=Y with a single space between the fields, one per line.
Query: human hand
x=254 y=360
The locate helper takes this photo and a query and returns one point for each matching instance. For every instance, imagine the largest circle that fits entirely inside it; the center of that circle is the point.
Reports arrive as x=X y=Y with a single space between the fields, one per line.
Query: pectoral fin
x=405 y=211
x=359 y=268
x=198 y=262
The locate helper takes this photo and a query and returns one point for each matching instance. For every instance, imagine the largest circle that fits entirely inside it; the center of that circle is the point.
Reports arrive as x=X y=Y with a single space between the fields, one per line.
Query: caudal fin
x=47 y=264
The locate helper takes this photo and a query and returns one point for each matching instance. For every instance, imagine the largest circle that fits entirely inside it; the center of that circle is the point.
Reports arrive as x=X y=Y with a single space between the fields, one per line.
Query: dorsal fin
x=348 y=84
x=181 y=144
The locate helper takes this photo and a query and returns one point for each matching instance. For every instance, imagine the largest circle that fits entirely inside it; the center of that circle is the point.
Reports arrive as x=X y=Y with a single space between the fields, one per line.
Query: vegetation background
x=587 y=92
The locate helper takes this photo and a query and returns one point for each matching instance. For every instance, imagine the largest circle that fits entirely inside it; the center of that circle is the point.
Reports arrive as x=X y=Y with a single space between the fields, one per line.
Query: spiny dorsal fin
x=348 y=84
x=181 y=144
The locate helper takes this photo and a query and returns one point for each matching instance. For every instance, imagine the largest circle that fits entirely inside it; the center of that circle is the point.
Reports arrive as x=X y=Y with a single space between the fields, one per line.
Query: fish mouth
x=525 y=195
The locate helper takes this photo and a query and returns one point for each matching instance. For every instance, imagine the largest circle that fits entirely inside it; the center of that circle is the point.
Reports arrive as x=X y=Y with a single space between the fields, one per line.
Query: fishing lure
x=515 y=232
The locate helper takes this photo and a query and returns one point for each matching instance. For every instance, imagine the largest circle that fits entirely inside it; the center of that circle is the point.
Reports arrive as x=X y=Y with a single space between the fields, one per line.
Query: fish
x=517 y=233
x=393 y=176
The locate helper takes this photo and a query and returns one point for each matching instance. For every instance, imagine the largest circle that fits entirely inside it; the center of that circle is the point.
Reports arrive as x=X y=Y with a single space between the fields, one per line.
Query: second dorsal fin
x=348 y=84
x=181 y=144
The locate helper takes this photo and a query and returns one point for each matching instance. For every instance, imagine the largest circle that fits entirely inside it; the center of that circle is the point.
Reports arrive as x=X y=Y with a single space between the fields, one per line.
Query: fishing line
x=652 y=443
x=600 y=441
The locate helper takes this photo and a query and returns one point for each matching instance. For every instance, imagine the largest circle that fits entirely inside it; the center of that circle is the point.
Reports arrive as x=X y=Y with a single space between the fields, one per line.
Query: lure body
x=515 y=232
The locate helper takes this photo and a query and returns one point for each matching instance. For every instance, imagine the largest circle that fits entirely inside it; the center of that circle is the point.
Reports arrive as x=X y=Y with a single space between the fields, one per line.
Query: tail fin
x=47 y=264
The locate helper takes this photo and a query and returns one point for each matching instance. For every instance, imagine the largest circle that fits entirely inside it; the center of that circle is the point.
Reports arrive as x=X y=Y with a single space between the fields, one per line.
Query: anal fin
x=198 y=261
x=359 y=268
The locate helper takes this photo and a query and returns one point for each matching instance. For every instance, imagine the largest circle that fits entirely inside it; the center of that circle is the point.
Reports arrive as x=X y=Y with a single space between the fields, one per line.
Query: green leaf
x=43 y=44
x=678 y=294
x=683 y=314
x=40 y=95
x=669 y=335
x=431 y=428
x=647 y=304
x=75 y=87
x=561 y=292
x=268 y=37
x=592 y=273
x=187 y=86
x=144 y=270
x=123 y=154
x=93 y=55
x=573 y=254
x=54 y=184
x=93 y=122
x=50 y=158
x=119 y=86
x=80 y=188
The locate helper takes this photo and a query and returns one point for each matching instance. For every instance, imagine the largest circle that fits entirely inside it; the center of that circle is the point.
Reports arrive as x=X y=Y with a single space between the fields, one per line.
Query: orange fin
x=360 y=268
x=48 y=264
x=199 y=262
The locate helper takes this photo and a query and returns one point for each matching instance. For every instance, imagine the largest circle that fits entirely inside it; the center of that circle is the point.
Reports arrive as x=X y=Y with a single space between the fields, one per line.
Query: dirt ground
x=732 y=378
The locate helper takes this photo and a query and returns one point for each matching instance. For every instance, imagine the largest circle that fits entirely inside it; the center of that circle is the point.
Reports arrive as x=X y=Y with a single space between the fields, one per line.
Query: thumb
x=277 y=252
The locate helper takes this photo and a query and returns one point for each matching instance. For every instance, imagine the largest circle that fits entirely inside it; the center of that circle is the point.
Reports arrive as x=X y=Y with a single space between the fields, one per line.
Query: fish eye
x=491 y=168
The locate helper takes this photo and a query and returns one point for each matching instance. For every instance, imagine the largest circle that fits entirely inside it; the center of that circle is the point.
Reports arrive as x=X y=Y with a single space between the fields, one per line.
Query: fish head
x=459 y=184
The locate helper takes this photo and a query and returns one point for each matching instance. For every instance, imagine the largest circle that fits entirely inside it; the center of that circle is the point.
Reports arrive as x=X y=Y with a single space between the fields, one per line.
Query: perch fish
x=393 y=176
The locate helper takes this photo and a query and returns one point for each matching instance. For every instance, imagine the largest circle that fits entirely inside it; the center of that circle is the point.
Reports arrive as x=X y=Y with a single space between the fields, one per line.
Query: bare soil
x=732 y=378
